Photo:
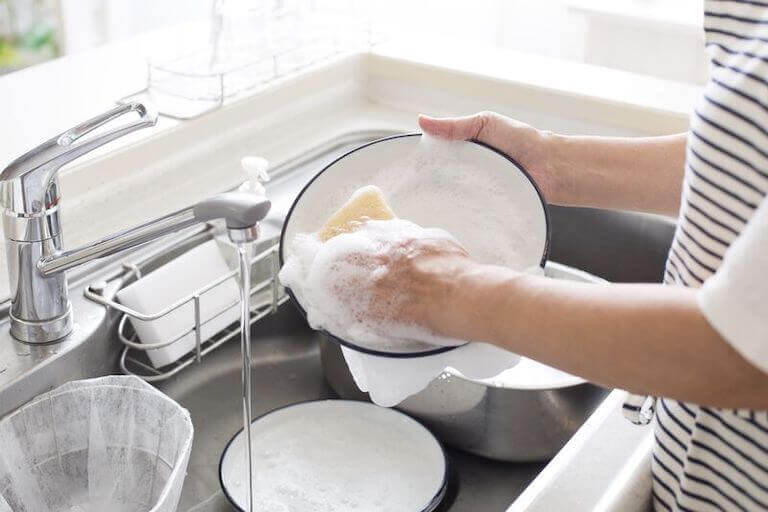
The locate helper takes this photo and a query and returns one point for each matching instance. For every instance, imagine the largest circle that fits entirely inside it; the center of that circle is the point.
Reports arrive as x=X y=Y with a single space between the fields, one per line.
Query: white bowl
x=481 y=196
x=336 y=455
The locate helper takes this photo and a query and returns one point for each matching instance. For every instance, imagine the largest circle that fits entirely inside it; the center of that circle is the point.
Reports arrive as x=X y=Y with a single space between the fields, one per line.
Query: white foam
x=335 y=285
x=445 y=183
x=468 y=191
x=337 y=456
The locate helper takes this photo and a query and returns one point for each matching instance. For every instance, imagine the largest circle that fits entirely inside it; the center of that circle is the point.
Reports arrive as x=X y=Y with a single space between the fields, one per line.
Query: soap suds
x=355 y=457
x=335 y=285
x=495 y=213
x=335 y=288
x=468 y=191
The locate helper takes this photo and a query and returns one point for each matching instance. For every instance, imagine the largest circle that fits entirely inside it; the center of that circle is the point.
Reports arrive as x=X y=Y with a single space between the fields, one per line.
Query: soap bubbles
x=336 y=283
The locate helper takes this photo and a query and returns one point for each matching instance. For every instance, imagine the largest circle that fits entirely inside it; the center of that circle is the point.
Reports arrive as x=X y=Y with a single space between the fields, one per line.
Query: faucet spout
x=240 y=210
x=117 y=242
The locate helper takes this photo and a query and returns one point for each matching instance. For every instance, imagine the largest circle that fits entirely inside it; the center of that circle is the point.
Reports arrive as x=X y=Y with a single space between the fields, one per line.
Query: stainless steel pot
x=520 y=423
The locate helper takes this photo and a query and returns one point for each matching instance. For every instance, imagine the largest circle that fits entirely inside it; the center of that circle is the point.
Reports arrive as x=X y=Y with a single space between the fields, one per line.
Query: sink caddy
x=266 y=296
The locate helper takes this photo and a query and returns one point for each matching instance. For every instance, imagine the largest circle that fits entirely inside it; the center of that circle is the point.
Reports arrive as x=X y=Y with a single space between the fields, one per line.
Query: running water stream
x=245 y=348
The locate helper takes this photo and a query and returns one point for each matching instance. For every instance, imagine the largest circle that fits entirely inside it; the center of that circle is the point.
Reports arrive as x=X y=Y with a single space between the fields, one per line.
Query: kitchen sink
x=618 y=246
x=287 y=370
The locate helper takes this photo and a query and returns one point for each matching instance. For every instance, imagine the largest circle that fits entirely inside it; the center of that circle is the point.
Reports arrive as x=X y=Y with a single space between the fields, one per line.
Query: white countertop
x=179 y=162
x=681 y=15
x=604 y=467
x=46 y=99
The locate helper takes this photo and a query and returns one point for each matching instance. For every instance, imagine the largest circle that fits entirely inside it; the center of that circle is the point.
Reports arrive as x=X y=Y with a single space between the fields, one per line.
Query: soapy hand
x=400 y=281
x=529 y=146
x=380 y=285
x=415 y=279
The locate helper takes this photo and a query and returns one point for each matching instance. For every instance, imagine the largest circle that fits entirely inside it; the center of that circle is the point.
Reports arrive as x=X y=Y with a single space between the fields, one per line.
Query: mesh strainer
x=113 y=443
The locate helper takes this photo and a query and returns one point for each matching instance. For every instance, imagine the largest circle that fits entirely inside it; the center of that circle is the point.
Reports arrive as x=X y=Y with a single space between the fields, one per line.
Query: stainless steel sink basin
x=286 y=358
x=287 y=370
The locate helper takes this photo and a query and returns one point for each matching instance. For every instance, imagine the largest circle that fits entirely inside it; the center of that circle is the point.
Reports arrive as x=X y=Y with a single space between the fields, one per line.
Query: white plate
x=338 y=455
x=482 y=197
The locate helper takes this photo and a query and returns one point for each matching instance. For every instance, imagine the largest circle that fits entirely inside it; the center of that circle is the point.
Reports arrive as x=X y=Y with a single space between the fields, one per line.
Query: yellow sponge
x=366 y=203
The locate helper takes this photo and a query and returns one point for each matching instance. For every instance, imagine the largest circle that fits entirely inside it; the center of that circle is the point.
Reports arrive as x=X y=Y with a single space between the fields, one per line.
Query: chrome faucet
x=29 y=194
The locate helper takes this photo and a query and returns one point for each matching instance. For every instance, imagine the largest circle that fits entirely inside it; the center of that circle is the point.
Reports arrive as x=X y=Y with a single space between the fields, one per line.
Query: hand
x=433 y=283
x=408 y=281
x=524 y=143
x=418 y=278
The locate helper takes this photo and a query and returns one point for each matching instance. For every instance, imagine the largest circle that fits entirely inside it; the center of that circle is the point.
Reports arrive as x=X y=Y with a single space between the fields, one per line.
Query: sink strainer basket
x=113 y=443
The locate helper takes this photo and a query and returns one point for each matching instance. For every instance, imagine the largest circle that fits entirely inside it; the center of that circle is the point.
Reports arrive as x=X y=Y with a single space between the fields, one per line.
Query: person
x=699 y=340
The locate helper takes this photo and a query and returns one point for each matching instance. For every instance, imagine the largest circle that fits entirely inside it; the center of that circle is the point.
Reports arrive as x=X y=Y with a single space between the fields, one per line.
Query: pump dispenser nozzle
x=256 y=169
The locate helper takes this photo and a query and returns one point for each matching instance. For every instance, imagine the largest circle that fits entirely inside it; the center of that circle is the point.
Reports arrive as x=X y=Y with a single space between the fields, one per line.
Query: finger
x=443 y=245
x=452 y=128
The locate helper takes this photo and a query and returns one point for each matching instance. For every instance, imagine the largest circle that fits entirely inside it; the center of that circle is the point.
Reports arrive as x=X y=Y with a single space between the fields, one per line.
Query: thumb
x=455 y=128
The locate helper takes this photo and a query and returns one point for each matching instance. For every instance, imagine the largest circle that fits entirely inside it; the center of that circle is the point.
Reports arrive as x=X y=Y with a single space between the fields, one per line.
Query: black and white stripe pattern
x=707 y=458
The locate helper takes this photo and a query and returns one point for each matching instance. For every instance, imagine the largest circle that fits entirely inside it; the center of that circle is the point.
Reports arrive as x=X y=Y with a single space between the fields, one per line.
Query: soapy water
x=470 y=192
x=351 y=459
x=334 y=281
x=496 y=214
x=336 y=288
x=491 y=209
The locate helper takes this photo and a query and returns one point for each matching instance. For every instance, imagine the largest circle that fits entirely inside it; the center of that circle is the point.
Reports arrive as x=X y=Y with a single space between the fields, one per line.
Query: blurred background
x=662 y=38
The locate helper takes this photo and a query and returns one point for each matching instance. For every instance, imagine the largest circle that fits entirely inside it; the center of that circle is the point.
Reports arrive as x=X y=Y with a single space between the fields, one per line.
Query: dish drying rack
x=266 y=296
x=207 y=67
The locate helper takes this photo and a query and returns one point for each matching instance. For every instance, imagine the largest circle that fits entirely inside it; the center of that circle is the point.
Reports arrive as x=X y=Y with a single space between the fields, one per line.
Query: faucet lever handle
x=67 y=140
x=37 y=168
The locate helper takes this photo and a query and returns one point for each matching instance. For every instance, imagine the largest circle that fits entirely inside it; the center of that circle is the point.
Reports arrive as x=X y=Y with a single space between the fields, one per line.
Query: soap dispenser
x=255 y=168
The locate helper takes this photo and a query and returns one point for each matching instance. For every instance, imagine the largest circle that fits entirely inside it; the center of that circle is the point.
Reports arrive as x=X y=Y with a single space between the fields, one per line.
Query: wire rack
x=266 y=295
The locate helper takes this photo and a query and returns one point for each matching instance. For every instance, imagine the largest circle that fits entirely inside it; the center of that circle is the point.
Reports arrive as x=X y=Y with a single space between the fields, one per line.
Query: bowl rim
x=436 y=350
x=436 y=500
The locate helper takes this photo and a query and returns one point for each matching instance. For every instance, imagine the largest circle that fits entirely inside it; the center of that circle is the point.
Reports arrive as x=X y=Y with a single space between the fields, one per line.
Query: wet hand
x=527 y=145
x=416 y=278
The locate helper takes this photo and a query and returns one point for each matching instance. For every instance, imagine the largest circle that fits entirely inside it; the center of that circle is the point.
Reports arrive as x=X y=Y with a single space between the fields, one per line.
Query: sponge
x=366 y=203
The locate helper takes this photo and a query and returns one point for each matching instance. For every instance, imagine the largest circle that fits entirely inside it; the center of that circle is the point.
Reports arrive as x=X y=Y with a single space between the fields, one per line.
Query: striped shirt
x=706 y=458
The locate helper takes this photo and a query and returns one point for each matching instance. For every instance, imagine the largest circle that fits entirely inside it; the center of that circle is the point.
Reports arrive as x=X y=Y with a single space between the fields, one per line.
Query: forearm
x=644 y=338
x=630 y=173
x=642 y=174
